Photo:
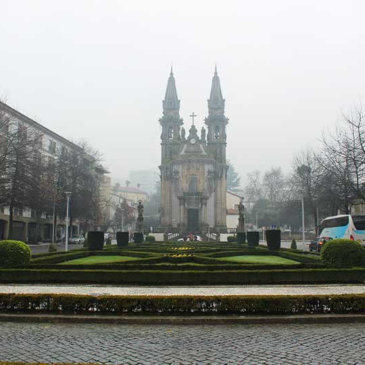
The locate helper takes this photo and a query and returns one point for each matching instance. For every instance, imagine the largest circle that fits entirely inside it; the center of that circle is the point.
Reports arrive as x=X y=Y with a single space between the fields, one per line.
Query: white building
x=24 y=221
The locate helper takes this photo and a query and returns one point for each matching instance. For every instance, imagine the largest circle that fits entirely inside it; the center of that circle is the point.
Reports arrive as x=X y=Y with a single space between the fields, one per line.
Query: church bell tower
x=217 y=144
x=193 y=168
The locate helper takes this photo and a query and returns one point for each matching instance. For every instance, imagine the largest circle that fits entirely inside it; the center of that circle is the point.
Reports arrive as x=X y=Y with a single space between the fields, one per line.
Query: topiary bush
x=138 y=237
x=273 y=239
x=343 y=253
x=150 y=239
x=95 y=240
x=253 y=239
x=52 y=248
x=14 y=253
x=241 y=237
x=231 y=239
x=122 y=238
x=293 y=245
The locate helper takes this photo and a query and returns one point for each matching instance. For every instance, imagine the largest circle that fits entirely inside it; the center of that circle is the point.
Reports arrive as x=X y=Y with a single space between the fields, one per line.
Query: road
x=183 y=344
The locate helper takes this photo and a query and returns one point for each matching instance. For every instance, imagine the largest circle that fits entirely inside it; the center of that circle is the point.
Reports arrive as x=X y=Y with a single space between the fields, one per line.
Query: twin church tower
x=193 y=167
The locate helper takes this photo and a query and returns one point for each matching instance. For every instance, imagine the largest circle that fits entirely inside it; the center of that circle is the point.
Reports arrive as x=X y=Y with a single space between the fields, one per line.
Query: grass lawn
x=99 y=260
x=267 y=260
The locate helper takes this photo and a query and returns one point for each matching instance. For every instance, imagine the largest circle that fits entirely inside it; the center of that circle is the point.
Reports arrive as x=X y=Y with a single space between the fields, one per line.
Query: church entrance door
x=193 y=220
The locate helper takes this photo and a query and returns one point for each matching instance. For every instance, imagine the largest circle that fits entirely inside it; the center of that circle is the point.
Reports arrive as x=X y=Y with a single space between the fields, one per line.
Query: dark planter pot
x=95 y=240
x=273 y=239
x=253 y=239
x=122 y=239
x=241 y=237
x=138 y=237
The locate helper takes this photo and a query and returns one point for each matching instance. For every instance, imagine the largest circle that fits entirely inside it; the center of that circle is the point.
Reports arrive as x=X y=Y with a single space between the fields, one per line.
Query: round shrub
x=150 y=239
x=231 y=239
x=95 y=240
x=343 y=253
x=52 y=248
x=14 y=253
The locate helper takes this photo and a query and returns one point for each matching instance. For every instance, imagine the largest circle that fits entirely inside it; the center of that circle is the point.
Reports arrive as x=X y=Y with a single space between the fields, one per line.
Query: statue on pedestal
x=139 y=223
x=241 y=217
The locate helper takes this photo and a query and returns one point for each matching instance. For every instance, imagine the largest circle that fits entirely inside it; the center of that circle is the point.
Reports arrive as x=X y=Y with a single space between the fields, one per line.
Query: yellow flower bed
x=180 y=255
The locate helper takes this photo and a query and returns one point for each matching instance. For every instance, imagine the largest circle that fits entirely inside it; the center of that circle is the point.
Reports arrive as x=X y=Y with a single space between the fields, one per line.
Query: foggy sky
x=97 y=71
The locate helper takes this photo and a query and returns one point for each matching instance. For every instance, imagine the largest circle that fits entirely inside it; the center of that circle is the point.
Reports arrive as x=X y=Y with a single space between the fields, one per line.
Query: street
x=183 y=344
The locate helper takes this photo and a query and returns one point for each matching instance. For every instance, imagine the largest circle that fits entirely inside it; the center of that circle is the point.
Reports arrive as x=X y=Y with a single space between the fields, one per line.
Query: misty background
x=97 y=71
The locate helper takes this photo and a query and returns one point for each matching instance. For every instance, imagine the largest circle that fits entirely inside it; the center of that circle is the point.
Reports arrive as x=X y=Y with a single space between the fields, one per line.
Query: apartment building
x=25 y=223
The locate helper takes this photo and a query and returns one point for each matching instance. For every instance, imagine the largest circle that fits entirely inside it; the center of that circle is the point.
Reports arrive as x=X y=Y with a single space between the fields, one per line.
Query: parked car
x=76 y=240
x=318 y=242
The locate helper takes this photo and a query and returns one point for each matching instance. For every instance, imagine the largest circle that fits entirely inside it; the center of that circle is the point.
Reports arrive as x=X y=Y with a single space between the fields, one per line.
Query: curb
x=184 y=320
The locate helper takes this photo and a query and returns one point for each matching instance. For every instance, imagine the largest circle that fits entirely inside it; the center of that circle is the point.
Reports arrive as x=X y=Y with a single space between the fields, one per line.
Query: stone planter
x=273 y=239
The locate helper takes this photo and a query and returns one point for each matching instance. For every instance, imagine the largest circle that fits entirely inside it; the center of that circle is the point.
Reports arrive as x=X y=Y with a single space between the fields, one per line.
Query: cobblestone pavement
x=328 y=289
x=192 y=344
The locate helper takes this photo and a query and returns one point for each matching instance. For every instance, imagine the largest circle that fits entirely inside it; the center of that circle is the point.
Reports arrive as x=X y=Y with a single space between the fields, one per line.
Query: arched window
x=170 y=133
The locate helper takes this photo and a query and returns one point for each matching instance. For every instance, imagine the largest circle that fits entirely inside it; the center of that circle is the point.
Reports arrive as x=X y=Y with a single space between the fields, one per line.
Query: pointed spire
x=171 y=102
x=216 y=100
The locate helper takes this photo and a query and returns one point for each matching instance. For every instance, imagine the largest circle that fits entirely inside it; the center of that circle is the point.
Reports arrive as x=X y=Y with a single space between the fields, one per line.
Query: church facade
x=193 y=166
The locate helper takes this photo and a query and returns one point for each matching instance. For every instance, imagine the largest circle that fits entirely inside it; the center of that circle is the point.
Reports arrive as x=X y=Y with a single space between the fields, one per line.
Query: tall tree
x=18 y=152
x=233 y=178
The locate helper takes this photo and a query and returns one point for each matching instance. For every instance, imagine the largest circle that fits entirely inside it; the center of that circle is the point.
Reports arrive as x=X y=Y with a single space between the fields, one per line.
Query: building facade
x=25 y=222
x=193 y=166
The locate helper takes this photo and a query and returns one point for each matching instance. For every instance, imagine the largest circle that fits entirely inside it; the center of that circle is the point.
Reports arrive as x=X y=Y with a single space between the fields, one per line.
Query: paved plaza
x=183 y=344
x=325 y=289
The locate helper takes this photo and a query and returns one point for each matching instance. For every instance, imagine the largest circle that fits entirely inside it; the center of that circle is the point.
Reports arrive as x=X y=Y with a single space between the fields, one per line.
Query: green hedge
x=178 y=277
x=343 y=253
x=247 y=305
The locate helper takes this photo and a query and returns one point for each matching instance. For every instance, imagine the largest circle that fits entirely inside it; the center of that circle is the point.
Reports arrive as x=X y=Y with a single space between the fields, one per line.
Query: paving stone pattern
x=325 y=289
x=183 y=344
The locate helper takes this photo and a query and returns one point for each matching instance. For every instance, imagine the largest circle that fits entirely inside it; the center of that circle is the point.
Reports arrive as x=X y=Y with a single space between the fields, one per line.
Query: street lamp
x=68 y=194
x=303 y=234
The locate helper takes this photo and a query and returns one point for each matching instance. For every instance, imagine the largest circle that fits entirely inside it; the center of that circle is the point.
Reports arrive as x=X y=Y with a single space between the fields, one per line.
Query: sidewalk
x=97 y=290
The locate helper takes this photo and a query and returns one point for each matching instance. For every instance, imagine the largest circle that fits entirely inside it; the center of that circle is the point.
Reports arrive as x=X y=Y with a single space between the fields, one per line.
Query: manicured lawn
x=267 y=260
x=99 y=260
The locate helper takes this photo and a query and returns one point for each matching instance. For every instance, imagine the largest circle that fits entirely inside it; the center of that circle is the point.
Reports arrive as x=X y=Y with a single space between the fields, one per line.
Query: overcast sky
x=97 y=71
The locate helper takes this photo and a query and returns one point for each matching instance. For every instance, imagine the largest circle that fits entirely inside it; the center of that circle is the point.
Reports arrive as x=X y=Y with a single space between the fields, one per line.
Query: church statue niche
x=216 y=133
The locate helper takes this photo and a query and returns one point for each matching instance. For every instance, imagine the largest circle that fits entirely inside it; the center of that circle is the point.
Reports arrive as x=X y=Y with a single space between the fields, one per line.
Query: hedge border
x=182 y=305
x=188 y=277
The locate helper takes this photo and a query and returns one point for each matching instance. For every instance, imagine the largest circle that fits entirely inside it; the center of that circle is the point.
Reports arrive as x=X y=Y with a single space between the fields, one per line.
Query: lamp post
x=303 y=234
x=68 y=194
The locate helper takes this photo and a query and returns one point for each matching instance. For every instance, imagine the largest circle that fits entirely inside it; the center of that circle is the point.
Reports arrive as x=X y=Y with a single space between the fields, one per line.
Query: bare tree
x=19 y=148
x=253 y=189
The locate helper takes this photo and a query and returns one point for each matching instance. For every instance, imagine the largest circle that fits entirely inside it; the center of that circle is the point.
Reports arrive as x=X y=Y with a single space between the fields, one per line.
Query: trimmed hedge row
x=248 y=305
x=178 y=277
x=144 y=264
x=55 y=259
